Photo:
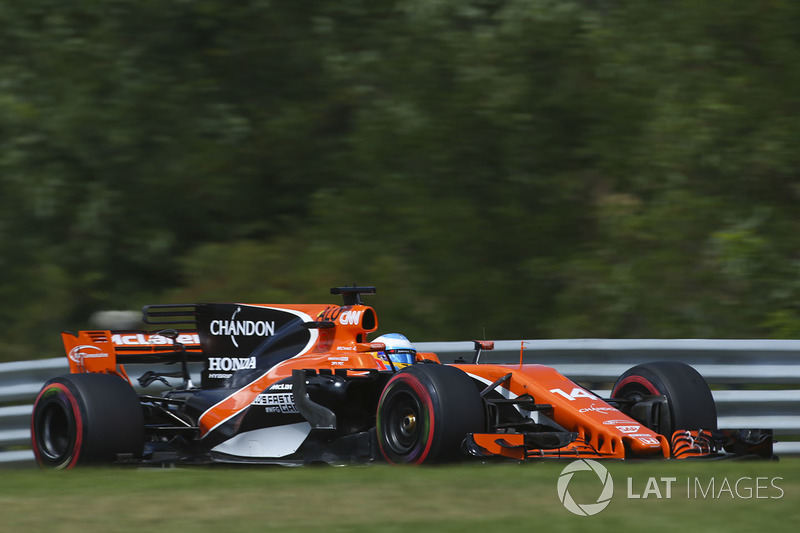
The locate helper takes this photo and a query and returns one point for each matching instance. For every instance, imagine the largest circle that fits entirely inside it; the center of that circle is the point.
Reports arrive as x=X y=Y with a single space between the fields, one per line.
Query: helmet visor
x=403 y=356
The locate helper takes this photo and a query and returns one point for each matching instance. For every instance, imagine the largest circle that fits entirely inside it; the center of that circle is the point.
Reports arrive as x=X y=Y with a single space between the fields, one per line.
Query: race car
x=302 y=384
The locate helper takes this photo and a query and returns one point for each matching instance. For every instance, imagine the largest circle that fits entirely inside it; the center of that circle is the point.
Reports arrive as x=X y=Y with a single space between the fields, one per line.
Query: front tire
x=81 y=419
x=425 y=412
x=691 y=405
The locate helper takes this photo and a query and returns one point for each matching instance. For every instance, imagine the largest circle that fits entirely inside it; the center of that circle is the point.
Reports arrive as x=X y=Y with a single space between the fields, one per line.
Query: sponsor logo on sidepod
x=233 y=327
x=231 y=364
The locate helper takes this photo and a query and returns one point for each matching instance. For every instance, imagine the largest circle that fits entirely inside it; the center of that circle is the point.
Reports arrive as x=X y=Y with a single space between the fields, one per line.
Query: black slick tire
x=82 y=419
x=425 y=412
x=690 y=402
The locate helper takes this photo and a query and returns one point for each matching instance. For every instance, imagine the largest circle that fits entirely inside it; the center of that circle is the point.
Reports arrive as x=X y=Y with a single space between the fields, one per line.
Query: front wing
x=684 y=444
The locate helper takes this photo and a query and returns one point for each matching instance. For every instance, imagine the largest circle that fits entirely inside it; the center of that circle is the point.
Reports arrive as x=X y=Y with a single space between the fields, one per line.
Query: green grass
x=383 y=498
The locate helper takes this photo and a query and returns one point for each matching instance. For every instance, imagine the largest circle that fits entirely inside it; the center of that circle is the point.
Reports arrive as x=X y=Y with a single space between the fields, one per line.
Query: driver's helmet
x=399 y=349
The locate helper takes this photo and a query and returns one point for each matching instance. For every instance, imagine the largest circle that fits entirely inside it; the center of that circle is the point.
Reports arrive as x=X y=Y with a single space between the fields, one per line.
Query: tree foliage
x=508 y=168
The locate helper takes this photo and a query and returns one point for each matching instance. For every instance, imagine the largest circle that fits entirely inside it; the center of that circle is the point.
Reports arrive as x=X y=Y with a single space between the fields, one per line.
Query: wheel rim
x=631 y=392
x=54 y=432
x=634 y=387
x=402 y=429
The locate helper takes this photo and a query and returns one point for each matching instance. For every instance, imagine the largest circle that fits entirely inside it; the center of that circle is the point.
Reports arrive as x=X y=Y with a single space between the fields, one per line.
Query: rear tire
x=690 y=402
x=425 y=412
x=82 y=419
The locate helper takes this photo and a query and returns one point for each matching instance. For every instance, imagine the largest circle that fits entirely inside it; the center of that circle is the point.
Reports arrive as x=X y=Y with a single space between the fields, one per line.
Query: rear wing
x=105 y=351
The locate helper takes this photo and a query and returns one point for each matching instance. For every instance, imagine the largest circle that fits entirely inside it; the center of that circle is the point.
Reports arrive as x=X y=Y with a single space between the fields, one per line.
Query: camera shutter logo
x=587 y=509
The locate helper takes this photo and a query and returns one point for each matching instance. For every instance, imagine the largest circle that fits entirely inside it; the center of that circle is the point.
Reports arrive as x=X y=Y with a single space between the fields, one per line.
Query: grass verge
x=384 y=498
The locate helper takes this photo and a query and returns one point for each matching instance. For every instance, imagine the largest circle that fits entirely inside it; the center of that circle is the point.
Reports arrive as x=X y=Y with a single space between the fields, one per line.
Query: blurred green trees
x=508 y=168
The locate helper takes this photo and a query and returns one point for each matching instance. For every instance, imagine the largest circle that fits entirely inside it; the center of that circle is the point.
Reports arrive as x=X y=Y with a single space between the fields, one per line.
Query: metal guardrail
x=756 y=382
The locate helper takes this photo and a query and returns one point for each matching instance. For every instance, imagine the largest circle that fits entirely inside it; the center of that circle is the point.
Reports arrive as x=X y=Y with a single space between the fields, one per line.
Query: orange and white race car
x=301 y=384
